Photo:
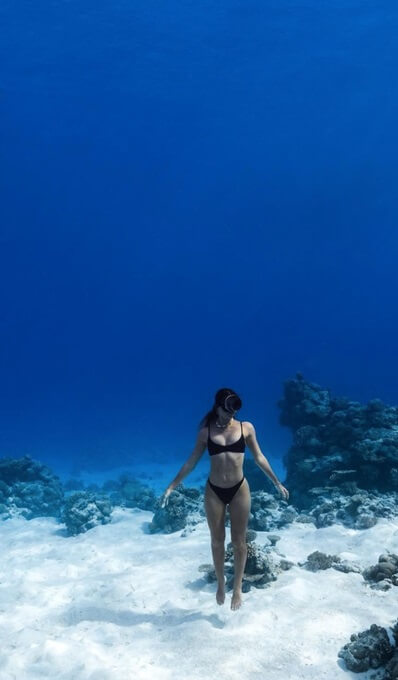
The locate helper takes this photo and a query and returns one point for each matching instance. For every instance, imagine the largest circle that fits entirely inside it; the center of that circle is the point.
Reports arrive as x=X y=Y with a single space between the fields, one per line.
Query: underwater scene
x=199 y=384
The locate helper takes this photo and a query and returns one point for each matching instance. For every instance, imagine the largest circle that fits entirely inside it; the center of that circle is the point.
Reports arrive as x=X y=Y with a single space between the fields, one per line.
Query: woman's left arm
x=261 y=460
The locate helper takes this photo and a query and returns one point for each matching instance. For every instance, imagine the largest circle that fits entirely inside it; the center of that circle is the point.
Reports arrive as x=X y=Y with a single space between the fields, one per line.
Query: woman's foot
x=220 y=595
x=236 y=601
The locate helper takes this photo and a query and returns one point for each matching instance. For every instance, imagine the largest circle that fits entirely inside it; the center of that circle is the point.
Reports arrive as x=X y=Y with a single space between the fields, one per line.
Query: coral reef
x=371 y=649
x=130 y=493
x=83 y=511
x=29 y=489
x=384 y=574
x=317 y=561
x=343 y=463
x=184 y=510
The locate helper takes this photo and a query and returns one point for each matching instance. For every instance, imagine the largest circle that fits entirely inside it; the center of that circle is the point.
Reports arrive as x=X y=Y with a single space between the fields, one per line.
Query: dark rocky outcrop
x=268 y=513
x=83 y=511
x=371 y=649
x=184 y=509
x=384 y=574
x=318 y=561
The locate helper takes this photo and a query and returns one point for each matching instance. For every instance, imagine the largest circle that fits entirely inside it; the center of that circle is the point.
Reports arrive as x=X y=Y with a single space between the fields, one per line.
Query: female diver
x=225 y=439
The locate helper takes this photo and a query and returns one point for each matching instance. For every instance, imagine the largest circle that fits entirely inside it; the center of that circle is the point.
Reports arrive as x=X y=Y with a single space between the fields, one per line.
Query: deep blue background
x=194 y=195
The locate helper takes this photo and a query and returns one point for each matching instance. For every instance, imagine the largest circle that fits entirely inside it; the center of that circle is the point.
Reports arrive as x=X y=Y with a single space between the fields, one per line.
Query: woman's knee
x=239 y=543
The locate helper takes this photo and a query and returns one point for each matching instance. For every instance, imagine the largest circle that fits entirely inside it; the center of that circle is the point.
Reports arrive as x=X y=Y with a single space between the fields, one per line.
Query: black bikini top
x=237 y=447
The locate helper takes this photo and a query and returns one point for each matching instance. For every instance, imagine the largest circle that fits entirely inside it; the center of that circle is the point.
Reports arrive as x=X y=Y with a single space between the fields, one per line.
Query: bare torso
x=226 y=467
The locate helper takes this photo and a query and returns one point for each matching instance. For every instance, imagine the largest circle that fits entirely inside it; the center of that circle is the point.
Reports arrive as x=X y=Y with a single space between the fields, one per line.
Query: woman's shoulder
x=248 y=427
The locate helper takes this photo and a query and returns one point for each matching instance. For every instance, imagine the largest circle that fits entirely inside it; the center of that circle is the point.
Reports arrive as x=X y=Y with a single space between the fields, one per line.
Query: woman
x=225 y=439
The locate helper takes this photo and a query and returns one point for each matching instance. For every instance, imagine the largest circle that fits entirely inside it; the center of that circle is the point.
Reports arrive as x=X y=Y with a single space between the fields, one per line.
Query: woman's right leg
x=215 y=513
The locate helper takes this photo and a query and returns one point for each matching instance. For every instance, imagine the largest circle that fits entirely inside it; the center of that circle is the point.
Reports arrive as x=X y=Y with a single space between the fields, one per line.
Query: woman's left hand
x=282 y=490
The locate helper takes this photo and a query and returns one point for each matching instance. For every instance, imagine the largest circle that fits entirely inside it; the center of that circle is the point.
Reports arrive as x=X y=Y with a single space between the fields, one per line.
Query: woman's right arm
x=200 y=447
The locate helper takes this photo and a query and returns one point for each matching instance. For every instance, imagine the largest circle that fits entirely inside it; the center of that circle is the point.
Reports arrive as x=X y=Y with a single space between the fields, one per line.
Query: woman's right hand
x=282 y=490
x=165 y=498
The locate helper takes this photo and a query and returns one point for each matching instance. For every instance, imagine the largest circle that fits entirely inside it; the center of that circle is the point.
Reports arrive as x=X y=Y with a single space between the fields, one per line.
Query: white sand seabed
x=118 y=602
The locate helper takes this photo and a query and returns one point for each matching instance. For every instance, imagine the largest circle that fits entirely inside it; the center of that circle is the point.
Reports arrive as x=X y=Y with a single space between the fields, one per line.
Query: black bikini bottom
x=225 y=495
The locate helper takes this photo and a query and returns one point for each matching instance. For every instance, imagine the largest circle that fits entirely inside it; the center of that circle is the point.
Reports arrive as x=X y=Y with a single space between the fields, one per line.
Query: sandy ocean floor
x=118 y=602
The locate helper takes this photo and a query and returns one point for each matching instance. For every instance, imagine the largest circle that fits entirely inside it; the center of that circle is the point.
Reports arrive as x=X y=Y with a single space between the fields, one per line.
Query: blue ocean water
x=194 y=195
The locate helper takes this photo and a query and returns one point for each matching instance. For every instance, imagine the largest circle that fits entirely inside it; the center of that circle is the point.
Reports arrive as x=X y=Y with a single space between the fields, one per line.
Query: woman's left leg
x=239 y=510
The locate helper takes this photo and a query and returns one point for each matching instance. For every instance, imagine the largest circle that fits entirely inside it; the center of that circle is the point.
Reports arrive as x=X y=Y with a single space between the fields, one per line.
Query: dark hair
x=234 y=401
